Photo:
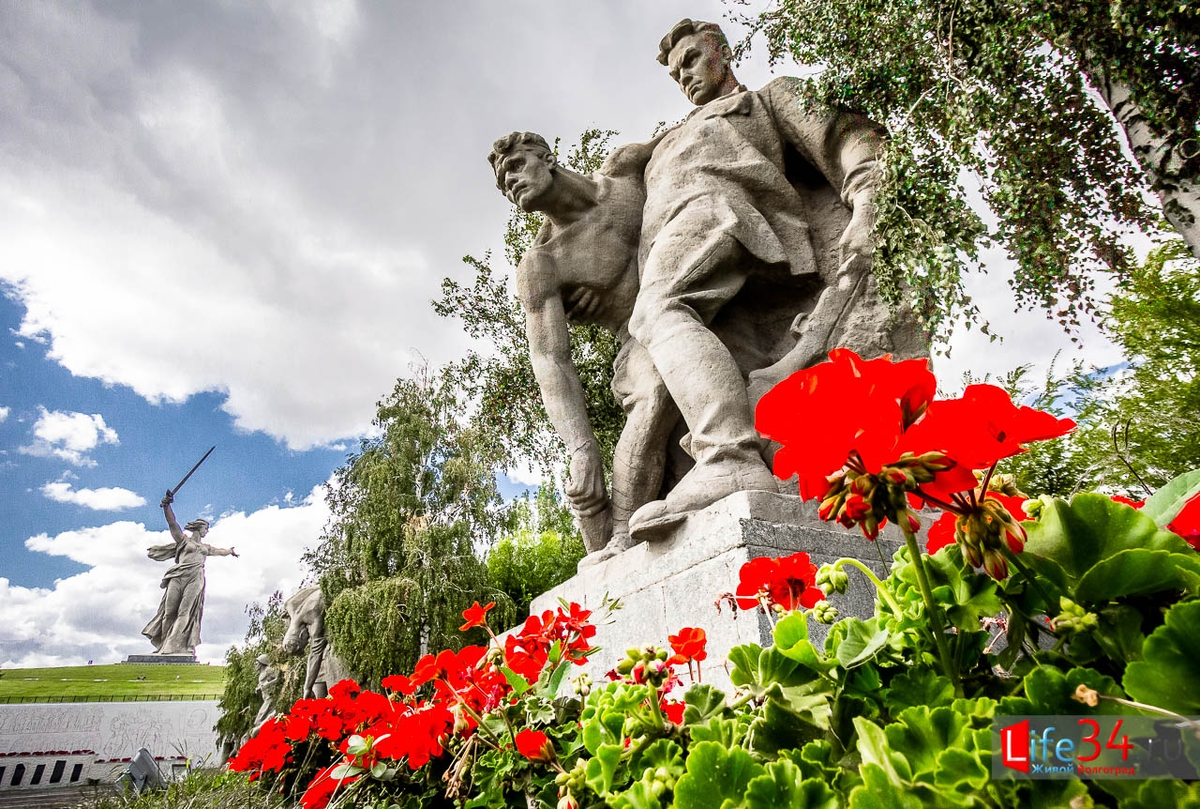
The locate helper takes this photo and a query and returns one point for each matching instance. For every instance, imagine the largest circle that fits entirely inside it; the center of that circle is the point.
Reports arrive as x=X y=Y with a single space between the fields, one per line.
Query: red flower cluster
x=871 y=412
x=527 y=651
x=401 y=727
x=788 y=582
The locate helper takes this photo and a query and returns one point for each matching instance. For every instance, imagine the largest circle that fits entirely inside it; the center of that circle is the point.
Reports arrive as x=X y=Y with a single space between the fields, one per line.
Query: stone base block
x=677 y=582
x=174 y=660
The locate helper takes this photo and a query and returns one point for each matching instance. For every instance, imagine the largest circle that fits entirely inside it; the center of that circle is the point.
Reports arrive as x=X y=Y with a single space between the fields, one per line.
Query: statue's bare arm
x=562 y=392
x=173 y=524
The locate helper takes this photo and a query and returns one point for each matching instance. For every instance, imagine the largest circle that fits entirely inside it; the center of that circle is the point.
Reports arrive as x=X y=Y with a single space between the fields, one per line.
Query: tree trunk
x=1161 y=163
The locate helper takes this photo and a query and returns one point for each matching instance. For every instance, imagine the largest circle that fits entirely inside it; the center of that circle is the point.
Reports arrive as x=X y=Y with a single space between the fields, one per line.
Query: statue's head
x=698 y=57
x=199 y=527
x=523 y=163
x=262 y=661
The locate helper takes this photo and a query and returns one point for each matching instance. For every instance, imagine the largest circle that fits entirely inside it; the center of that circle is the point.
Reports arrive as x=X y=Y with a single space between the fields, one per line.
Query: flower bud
x=825 y=612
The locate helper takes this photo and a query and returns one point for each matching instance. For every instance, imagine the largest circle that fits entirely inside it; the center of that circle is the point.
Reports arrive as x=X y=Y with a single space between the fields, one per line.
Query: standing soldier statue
x=175 y=628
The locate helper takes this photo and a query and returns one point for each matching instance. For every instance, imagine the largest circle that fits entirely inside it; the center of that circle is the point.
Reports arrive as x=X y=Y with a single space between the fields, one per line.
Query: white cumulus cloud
x=103 y=499
x=99 y=614
x=69 y=436
x=4 y=414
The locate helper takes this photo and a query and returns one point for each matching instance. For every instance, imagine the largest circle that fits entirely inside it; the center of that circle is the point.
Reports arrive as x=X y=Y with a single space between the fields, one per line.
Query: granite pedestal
x=677 y=582
x=153 y=659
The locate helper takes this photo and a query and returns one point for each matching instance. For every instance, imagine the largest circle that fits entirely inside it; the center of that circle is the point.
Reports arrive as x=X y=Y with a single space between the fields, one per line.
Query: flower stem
x=935 y=613
x=1029 y=576
x=879 y=588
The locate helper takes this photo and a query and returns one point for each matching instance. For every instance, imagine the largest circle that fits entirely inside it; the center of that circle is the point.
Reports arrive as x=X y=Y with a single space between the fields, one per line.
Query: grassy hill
x=110 y=682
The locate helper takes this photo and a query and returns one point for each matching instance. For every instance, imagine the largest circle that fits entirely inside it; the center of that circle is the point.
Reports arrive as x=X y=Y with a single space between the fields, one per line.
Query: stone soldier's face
x=525 y=176
x=699 y=64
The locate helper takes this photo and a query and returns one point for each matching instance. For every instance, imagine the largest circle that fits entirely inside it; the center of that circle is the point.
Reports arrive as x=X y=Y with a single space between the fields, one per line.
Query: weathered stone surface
x=664 y=586
x=726 y=253
x=114 y=730
x=306 y=627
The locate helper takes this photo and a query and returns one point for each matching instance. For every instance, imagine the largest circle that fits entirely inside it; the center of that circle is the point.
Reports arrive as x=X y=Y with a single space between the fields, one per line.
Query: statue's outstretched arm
x=172 y=523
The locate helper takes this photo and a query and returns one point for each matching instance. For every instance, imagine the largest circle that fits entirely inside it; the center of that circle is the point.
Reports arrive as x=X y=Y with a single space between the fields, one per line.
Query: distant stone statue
x=175 y=628
x=268 y=679
x=582 y=267
x=720 y=209
x=306 y=627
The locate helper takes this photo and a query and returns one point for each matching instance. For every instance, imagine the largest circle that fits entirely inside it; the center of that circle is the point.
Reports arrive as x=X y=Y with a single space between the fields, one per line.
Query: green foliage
x=541 y=552
x=240 y=701
x=202 y=789
x=511 y=418
x=877 y=718
x=398 y=564
x=1000 y=92
x=1155 y=405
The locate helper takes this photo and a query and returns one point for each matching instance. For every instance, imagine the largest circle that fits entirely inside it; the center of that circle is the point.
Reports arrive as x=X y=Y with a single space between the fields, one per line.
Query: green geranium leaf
x=789 y=718
x=1138 y=571
x=921 y=733
x=1169 y=670
x=726 y=732
x=1076 y=536
x=1165 y=504
x=1049 y=691
x=875 y=749
x=602 y=768
x=791 y=640
x=862 y=642
x=661 y=753
x=962 y=771
x=781 y=787
x=639 y=796
x=516 y=682
x=878 y=792
x=715 y=775
x=757 y=670
x=1164 y=792
x=917 y=686
x=703 y=703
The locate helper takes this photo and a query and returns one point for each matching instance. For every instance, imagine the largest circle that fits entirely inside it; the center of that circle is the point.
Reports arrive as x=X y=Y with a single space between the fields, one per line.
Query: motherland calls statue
x=175 y=628
x=753 y=253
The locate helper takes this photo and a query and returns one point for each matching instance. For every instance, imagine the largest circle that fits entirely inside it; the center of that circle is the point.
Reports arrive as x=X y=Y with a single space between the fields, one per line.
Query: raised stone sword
x=179 y=485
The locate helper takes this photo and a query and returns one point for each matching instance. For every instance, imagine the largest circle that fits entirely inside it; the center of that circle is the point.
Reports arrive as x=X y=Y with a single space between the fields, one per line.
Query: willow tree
x=1063 y=112
x=398 y=563
x=510 y=415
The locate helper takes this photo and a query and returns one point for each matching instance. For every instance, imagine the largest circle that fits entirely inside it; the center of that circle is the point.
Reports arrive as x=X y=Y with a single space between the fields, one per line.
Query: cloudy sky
x=223 y=223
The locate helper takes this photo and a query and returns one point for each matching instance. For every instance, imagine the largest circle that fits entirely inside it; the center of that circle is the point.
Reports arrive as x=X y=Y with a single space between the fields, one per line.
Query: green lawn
x=105 y=682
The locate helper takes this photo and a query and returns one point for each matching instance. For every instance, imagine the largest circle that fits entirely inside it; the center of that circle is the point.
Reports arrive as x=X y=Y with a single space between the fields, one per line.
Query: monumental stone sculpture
x=268 y=679
x=753 y=253
x=582 y=267
x=306 y=627
x=175 y=628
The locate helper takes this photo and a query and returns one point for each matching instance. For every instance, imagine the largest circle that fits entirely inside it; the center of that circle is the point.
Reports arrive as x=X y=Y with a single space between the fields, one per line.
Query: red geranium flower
x=475 y=615
x=534 y=745
x=788 y=581
x=688 y=645
x=673 y=711
x=1187 y=522
x=1120 y=498
x=982 y=427
x=322 y=787
x=822 y=414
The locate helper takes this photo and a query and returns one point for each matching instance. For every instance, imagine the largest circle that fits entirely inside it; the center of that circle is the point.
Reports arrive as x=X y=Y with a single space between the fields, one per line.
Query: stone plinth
x=153 y=659
x=664 y=586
